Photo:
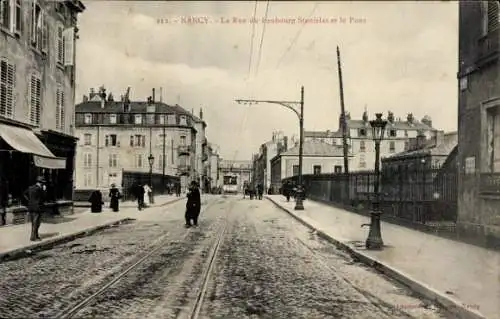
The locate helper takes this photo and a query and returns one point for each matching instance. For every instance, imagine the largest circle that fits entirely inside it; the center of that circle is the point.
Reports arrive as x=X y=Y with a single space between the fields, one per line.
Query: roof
x=315 y=148
x=449 y=142
x=135 y=107
x=355 y=124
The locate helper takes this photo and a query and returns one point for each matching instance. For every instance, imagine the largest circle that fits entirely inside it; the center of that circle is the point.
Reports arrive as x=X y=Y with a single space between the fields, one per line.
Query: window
x=87 y=139
x=392 y=133
x=317 y=169
x=88 y=118
x=138 y=161
x=493 y=139
x=362 y=132
x=111 y=140
x=171 y=120
x=112 y=119
x=87 y=160
x=392 y=146
x=337 y=169
x=60 y=109
x=160 y=161
x=138 y=141
x=492 y=15
x=182 y=120
x=161 y=140
x=87 y=182
x=5 y=14
x=463 y=83
x=295 y=170
x=362 y=146
x=162 y=119
x=60 y=45
x=35 y=100
x=7 y=85
x=406 y=133
x=113 y=160
x=150 y=119
x=138 y=119
x=11 y=15
x=183 y=140
x=39 y=28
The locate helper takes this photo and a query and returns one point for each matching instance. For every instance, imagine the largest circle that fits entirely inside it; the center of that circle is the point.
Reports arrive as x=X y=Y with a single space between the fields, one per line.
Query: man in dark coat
x=260 y=191
x=139 y=194
x=178 y=189
x=96 y=202
x=114 y=195
x=193 y=205
x=35 y=198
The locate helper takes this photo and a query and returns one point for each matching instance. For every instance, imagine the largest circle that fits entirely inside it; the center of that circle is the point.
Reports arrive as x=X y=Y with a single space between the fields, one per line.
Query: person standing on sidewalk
x=96 y=201
x=193 y=205
x=114 y=195
x=139 y=194
x=260 y=191
x=4 y=200
x=35 y=198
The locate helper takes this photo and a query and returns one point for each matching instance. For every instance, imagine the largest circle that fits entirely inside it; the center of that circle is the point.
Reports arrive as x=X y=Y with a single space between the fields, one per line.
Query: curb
x=454 y=306
x=50 y=243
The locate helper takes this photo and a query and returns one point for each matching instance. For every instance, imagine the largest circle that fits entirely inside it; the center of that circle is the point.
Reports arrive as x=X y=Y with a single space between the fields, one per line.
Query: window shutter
x=45 y=33
x=58 y=108
x=69 y=46
x=60 y=45
x=63 y=110
x=7 y=83
x=492 y=15
x=18 y=17
x=35 y=96
x=33 y=22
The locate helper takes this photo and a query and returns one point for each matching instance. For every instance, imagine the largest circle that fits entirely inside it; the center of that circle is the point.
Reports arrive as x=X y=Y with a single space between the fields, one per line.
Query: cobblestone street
x=267 y=266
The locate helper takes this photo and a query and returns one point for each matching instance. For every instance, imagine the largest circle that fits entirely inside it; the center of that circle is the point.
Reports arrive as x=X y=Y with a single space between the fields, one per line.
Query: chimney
x=409 y=118
x=285 y=142
x=153 y=96
x=103 y=103
x=201 y=113
x=427 y=120
x=85 y=98
x=161 y=94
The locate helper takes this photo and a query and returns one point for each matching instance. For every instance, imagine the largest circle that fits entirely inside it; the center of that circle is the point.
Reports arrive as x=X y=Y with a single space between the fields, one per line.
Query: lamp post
x=151 y=160
x=374 y=240
x=299 y=205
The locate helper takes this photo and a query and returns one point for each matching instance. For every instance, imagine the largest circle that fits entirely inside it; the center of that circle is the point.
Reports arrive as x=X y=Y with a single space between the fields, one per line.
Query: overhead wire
x=297 y=35
x=259 y=56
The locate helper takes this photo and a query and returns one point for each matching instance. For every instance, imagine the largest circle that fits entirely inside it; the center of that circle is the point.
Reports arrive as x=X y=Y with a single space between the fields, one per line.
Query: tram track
x=162 y=245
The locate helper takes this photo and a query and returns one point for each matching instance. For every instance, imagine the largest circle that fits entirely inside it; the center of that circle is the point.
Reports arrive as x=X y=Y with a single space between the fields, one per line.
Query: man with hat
x=35 y=198
x=193 y=205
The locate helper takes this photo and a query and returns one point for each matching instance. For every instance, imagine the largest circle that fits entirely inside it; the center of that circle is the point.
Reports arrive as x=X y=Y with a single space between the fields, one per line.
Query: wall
x=127 y=154
x=28 y=61
x=327 y=164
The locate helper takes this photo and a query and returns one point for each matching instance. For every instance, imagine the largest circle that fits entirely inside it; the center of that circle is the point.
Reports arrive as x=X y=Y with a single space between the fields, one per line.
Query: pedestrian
x=287 y=190
x=114 y=195
x=139 y=194
x=4 y=200
x=178 y=189
x=193 y=205
x=260 y=191
x=96 y=201
x=35 y=198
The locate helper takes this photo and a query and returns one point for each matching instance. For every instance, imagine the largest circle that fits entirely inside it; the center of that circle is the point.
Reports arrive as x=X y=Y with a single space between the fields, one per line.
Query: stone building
x=318 y=158
x=479 y=121
x=212 y=168
x=119 y=136
x=360 y=141
x=201 y=150
x=37 y=87
x=262 y=160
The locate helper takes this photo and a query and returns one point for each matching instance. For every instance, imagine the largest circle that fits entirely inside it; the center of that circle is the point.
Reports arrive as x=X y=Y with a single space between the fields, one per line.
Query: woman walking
x=114 y=195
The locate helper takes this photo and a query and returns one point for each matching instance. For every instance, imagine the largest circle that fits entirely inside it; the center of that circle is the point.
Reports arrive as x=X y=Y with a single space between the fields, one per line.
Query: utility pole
x=343 y=116
x=291 y=105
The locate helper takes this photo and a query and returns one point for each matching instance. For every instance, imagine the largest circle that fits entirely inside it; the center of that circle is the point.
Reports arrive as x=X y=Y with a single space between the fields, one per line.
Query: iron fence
x=424 y=196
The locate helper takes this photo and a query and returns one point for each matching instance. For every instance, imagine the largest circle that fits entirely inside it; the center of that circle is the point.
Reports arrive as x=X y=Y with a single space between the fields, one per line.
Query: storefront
x=23 y=157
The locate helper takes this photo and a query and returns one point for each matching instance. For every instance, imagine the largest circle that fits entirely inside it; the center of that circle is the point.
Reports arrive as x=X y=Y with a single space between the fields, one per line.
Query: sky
x=396 y=56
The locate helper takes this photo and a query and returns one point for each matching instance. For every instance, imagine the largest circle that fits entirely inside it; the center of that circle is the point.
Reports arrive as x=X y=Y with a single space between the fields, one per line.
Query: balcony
x=184 y=149
x=488 y=47
x=489 y=184
x=183 y=169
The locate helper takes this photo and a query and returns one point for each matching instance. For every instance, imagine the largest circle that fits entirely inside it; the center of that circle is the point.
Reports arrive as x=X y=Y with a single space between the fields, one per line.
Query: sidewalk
x=14 y=239
x=460 y=276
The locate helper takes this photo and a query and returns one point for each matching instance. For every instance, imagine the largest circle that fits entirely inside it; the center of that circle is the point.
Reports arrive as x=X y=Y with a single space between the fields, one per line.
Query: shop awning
x=25 y=141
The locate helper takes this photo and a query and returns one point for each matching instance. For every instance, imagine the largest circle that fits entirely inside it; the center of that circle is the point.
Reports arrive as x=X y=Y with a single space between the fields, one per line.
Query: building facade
x=262 y=160
x=37 y=87
x=479 y=121
x=120 y=136
x=318 y=158
x=212 y=168
x=242 y=169
x=360 y=142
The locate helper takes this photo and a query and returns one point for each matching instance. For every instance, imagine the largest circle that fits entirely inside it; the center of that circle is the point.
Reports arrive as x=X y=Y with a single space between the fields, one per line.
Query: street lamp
x=374 y=240
x=299 y=205
x=151 y=160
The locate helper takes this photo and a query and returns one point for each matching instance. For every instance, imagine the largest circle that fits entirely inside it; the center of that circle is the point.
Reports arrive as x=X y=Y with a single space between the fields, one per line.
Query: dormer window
x=112 y=119
x=362 y=132
x=171 y=120
x=162 y=119
x=182 y=120
x=88 y=118
x=138 y=119
x=392 y=133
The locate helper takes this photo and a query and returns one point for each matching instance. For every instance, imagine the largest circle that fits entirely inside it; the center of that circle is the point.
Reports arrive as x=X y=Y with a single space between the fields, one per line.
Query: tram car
x=230 y=184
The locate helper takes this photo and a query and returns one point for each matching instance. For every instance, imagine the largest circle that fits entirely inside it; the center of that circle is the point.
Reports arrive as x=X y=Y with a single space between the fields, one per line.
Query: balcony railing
x=488 y=46
x=184 y=149
x=489 y=184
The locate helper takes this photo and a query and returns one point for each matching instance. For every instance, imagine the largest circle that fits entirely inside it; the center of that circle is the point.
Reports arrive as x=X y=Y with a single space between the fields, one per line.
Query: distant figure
x=177 y=189
x=35 y=198
x=287 y=189
x=114 y=195
x=260 y=191
x=139 y=194
x=193 y=205
x=96 y=201
x=147 y=194
x=4 y=200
